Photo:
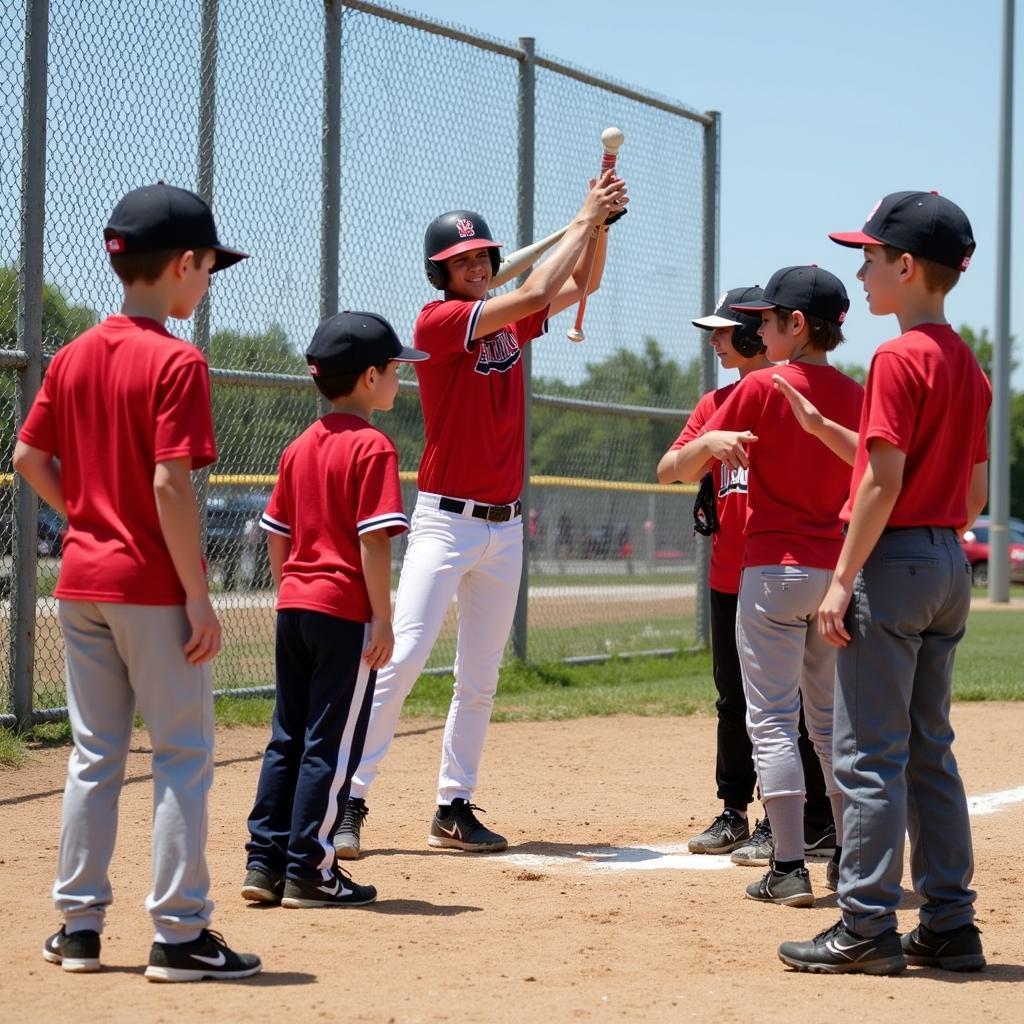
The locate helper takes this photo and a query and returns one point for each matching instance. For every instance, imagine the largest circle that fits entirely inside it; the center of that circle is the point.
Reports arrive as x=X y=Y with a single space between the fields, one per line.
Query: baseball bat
x=516 y=262
x=611 y=139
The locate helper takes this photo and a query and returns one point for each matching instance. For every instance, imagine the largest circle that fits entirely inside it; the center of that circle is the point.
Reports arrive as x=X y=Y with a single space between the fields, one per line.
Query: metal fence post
x=524 y=233
x=330 y=170
x=30 y=340
x=708 y=365
x=204 y=186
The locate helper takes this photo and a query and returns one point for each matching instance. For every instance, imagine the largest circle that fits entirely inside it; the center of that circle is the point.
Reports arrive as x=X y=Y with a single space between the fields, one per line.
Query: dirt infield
x=630 y=931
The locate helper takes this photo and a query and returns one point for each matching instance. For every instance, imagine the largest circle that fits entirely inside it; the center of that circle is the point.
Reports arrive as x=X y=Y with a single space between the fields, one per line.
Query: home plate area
x=676 y=857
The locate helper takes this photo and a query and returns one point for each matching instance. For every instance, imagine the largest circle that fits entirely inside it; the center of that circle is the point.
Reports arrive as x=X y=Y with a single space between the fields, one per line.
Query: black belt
x=492 y=513
x=902 y=529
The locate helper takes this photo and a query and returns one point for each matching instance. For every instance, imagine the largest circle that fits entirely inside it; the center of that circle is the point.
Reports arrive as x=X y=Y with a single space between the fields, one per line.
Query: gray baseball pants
x=783 y=656
x=119 y=656
x=893 y=741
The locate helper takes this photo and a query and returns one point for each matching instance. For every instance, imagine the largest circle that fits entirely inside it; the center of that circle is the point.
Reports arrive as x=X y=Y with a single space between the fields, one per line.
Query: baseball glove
x=705 y=508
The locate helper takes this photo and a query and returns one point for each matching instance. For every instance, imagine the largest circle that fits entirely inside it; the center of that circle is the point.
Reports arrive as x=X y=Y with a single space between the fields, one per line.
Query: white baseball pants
x=478 y=563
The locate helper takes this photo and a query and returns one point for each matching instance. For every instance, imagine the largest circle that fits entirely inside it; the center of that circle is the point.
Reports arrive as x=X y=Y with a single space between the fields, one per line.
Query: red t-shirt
x=336 y=481
x=927 y=396
x=472 y=397
x=117 y=400
x=731 y=490
x=796 y=485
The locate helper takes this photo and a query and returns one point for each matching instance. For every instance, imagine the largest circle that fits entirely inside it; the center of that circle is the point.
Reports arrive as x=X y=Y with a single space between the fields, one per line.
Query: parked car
x=975 y=544
x=50 y=530
x=236 y=549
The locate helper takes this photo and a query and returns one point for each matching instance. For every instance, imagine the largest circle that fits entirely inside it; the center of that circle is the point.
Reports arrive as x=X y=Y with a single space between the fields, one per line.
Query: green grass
x=987 y=668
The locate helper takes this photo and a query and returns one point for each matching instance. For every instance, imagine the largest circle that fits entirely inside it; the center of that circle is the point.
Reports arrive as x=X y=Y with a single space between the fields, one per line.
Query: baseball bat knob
x=574 y=335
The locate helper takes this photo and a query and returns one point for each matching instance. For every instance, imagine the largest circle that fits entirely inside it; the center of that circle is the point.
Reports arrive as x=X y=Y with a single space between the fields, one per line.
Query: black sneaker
x=955 y=950
x=820 y=840
x=456 y=827
x=262 y=887
x=205 y=957
x=346 y=839
x=832 y=876
x=837 y=950
x=723 y=835
x=759 y=849
x=337 y=891
x=787 y=888
x=78 y=952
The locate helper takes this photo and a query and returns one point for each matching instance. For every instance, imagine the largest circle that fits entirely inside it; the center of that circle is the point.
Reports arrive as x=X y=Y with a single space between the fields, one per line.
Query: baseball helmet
x=451 y=233
x=745 y=338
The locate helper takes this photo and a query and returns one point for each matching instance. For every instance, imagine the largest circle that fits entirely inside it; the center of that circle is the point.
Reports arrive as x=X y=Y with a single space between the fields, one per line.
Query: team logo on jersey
x=465 y=228
x=733 y=482
x=498 y=353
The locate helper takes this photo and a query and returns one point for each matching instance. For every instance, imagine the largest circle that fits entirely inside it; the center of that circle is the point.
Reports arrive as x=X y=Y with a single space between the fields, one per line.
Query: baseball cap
x=350 y=341
x=924 y=224
x=811 y=289
x=724 y=317
x=161 y=216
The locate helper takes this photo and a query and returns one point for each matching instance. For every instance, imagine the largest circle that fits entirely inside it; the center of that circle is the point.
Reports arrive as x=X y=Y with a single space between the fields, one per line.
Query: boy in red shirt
x=796 y=489
x=329 y=522
x=122 y=419
x=723 y=455
x=466 y=538
x=898 y=604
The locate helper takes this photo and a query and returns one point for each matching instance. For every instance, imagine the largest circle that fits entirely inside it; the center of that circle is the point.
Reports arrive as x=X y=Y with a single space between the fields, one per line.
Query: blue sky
x=825 y=108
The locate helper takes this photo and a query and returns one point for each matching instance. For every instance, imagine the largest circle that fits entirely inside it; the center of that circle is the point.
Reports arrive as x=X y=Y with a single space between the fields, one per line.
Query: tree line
x=255 y=424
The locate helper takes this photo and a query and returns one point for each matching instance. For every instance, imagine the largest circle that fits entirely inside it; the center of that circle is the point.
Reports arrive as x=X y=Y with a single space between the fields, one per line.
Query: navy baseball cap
x=811 y=289
x=161 y=216
x=350 y=342
x=924 y=224
x=746 y=324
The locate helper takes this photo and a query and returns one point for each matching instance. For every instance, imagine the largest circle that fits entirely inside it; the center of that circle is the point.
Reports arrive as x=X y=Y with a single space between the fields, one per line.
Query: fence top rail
x=483 y=42
x=437 y=28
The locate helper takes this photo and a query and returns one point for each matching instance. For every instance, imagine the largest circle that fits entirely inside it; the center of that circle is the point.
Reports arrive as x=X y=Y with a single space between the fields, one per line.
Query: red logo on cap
x=114 y=245
x=842 y=316
x=314 y=370
x=465 y=228
x=964 y=263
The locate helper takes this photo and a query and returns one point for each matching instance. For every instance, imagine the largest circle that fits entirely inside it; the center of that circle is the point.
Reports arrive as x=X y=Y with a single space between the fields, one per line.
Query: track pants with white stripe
x=324 y=694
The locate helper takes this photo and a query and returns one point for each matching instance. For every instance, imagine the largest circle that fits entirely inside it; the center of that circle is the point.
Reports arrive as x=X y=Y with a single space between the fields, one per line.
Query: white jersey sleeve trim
x=471 y=326
x=274 y=526
x=388 y=521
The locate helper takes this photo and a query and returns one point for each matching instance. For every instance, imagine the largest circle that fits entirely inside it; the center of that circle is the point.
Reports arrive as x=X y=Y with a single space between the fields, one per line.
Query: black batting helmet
x=745 y=325
x=454 y=232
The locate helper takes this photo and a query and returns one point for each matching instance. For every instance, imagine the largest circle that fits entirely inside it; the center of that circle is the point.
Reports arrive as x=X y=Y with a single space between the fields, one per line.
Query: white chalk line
x=676 y=857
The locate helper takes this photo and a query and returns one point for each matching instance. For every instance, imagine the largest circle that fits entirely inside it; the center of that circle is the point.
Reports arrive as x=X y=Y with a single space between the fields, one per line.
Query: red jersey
x=336 y=481
x=117 y=400
x=796 y=485
x=731 y=491
x=473 y=402
x=927 y=396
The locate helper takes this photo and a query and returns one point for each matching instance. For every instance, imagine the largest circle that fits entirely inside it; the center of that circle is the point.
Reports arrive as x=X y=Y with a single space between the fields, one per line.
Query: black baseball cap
x=723 y=316
x=811 y=289
x=924 y=224
x=350 y=342
x=161 y=216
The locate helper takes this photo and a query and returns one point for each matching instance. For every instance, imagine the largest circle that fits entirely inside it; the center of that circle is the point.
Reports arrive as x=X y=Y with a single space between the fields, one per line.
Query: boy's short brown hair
x=337 y=385
x=147 y=267
x=937 y=277
x=825 y=335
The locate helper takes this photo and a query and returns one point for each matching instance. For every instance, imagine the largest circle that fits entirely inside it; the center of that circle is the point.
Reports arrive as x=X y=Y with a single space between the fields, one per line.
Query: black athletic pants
x=734 y=768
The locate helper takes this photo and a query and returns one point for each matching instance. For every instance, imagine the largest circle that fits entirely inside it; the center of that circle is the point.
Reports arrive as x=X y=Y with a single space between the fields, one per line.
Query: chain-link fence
x=327 y=135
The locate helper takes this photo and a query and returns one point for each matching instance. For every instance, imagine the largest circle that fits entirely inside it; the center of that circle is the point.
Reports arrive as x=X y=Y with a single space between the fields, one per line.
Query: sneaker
x=337 y=891
x=723 y=835
x=78 y=952
x=205 y=957
x=456 y=827
x=956 y=950
x=262 y=886
x=832 y=876
x=820 y=840
x=837 y=950
x=346 y=839
x=759 y=849
x=788 y=888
